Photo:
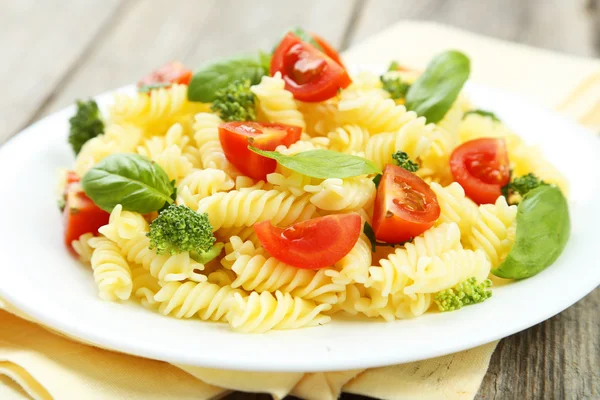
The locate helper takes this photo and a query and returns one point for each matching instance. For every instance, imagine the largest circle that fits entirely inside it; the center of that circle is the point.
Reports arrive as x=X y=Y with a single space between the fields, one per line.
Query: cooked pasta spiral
x=375 y=114
x=111 y=270
x=494 y=230
x=275 y=104
x=82 y=247
x=342 y=194
x=202 y=183
x=354 y=266
x=206 y=135
x=349 y=139
x=239 y=208
x=455 y=207
x=145 y=286
x=263 y=312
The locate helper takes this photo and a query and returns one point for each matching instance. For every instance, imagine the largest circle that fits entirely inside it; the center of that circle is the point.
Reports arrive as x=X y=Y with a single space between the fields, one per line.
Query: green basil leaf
x=322 y=164
x=134 y=181
x=370 y=234
x=153 y=86
x=434 y=92
x=218 y=74
x=377 y=179
x=483 y=113
x=543 y=228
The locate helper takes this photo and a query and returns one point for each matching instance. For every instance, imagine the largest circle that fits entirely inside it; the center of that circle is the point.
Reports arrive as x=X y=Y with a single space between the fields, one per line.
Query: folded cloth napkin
x=38 y=363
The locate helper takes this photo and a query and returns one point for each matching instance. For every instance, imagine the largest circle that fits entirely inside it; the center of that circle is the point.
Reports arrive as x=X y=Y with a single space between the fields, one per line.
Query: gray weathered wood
x=147 y=34
x=41 y=43
x=563 y=25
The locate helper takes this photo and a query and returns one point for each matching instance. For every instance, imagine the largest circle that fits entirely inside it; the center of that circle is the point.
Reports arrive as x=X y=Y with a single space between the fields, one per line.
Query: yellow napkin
x=43 y=365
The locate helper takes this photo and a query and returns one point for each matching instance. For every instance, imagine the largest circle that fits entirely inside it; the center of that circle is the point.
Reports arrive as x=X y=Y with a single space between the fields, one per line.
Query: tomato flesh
x=80 y=215
x=313 y=244
x=405 y=206
x=328 y=49
x=481 y=166
x=236 y=136
x=173 y=72
x=309 y=74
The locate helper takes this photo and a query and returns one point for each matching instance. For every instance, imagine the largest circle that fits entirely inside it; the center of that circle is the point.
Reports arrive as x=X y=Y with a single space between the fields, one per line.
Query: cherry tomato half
x=405 y=206
x=328 y=49
x=173 y=72
x=316 y=243
x=236 y=136
x=80 y=215
x=481 y=166
x=309 y=74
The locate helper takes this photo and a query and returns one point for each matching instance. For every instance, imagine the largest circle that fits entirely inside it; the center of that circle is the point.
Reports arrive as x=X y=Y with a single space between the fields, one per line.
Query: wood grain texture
x=41 y=43
x=563 y=25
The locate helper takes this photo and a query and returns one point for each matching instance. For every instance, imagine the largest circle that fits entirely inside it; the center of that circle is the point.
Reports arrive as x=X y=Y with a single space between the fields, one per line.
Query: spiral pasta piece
x=350 y=139
x=261 y=273
x=494 y=230
x=375 y=114
x=354 y=266
x=239 y=208
x=259 y=313
x=275 y=104
x=199 y=184
x=206 y=135
x=390 y=276
x=321 y=117
x=412 y=138
x=455 y=207
x=111 y=271
x=145 y=286
x=207 y=301
x=82 y=247
x=343 y=194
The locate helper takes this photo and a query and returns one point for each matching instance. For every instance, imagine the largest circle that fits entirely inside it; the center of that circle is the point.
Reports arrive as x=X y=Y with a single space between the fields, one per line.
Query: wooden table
x=54 y=51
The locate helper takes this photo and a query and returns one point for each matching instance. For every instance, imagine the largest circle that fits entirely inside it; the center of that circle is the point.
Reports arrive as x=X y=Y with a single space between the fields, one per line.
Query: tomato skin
x=405 y=206
x=236 y=136
x=328 y=49
x=81 y=215
x=481 y=166
x=313 y=244
x=173 y=72
x=309 y=74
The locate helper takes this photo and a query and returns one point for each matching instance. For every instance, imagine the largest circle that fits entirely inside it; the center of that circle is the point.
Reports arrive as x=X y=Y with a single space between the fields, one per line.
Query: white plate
x=38 y=276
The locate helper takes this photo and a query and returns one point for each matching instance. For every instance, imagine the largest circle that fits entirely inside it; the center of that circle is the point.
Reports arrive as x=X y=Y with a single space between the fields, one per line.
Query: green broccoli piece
x=86 y=124
x=179 y=229
x=464 y=294
x=235 y=102
x=521 y=186
x=401 y=159
x=395 y=86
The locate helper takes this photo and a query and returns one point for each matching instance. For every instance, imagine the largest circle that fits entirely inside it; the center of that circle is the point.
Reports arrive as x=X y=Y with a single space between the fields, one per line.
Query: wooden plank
x=553 y=24
x=557 y=359
x=41 y=42
x=150 y=33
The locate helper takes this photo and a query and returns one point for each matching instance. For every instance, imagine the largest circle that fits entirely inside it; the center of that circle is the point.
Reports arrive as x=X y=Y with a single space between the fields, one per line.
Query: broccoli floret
x=394 y=86
x=521 y=186
x=402 y=160
x=235 y=102
x=179 y=229
x=86 y=124
x=464 y=294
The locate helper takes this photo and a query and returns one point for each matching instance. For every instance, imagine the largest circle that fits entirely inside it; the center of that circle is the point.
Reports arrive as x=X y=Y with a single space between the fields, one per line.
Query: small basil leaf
x=218 y=74
x=483 y=113
x=434 y=92
x=322 y=164
x=370 y=234
x=376 y=180
x=543 y=228
x=134 y=181
x=153 y=86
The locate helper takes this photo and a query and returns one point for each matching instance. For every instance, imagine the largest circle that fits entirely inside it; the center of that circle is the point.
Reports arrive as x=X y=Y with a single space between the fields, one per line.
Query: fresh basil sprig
x=543 y=228
x=434 y=92
x=218 y=74
x=134 y=181
x=483 y=113
x=322 y=164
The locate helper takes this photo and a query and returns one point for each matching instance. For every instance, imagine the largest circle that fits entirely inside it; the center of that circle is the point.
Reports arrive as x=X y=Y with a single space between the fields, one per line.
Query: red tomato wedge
x=481 y=166
x=405 y=206
x=173 y=72
x=313 y=244
x=236 y=136
x=328 y=49
x=81 y=215
x=309 y=74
